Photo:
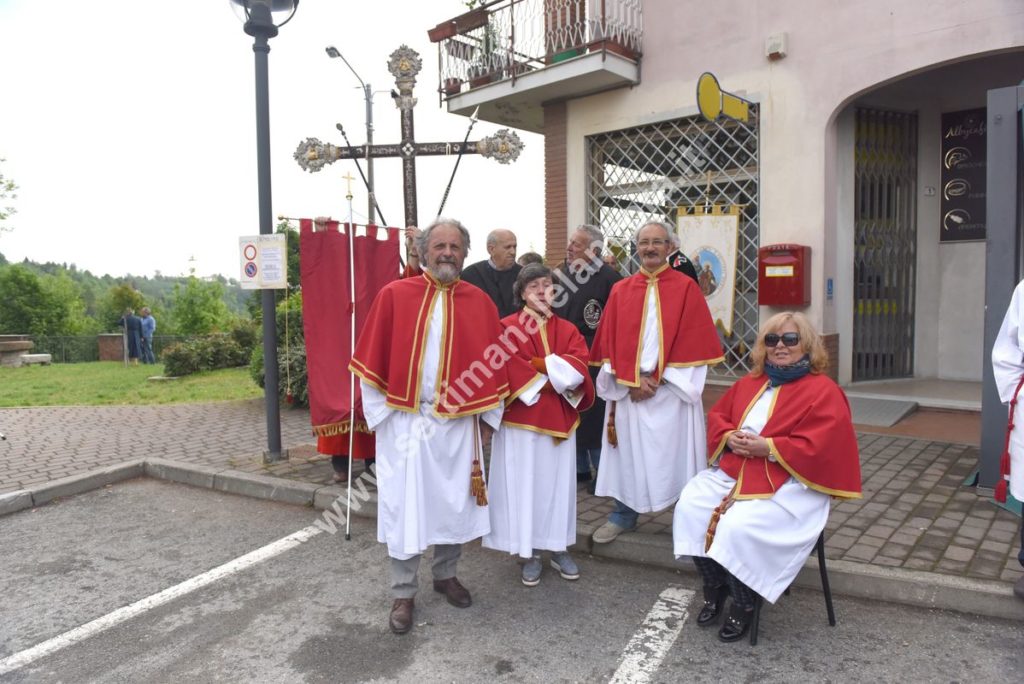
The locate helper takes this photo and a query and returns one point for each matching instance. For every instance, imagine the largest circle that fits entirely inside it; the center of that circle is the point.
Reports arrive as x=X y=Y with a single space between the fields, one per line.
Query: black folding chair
x=825 y=588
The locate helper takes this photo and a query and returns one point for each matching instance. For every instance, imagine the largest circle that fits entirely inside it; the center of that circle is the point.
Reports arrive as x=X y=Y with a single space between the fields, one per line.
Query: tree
x=198 y=308
x=65 y=296
x=119 y=298
x=292 y=242
x=7 y=188
x=28 y=309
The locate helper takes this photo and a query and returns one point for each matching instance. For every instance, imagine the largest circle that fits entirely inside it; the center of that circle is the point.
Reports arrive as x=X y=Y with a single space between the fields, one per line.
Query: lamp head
x=332 y=51
x=264 y=17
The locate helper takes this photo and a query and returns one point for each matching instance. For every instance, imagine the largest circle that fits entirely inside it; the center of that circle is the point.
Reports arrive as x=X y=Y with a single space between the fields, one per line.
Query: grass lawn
x=107 y=383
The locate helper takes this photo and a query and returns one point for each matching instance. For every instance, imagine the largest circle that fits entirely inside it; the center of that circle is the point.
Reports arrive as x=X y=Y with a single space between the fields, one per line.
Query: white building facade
x=845 y=149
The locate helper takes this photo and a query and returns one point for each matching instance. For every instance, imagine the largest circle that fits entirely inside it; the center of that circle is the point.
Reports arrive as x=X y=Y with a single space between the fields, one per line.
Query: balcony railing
x=508 y=38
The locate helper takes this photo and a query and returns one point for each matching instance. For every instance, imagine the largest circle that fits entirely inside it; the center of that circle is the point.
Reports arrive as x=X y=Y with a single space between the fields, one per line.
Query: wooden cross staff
x=404 y=63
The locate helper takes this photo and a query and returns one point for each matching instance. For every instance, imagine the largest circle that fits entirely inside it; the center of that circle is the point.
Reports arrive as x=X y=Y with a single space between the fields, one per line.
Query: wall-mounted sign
x=963 y=176
x=263 y=262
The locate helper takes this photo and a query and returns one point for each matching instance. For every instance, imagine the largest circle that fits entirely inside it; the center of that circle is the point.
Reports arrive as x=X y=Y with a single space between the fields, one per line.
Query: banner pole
x=352 y=351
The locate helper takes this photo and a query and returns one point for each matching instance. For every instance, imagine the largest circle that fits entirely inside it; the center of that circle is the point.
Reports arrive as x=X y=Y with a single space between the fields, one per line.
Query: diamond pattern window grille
x=885 y=243
x=642 y=174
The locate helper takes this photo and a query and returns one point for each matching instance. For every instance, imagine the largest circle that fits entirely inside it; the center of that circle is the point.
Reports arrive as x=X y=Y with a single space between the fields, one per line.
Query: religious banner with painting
x=963 y=175
x=709 y=236
x=327 y=318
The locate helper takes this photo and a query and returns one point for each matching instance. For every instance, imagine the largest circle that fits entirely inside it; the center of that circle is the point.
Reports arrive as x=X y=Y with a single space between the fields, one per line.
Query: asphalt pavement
x=153 y=581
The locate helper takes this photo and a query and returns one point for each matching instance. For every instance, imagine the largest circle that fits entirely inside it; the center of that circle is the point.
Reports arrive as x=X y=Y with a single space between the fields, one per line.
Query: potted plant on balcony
x=489 y=60
x=612 y=45
x=452 y=86
x=464 y=23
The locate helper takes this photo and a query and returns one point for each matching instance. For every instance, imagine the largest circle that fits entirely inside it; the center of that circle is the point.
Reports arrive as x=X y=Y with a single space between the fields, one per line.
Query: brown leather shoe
x=400 y=619
x=456 y=594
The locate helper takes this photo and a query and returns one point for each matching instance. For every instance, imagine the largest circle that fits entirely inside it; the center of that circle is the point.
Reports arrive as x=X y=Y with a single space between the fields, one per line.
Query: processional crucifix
x=404 y=64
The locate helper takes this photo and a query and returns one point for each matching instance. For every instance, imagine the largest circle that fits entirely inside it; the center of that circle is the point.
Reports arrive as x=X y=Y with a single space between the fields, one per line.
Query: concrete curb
x=12 y=502
x=893 y=585
x=857 y=580
x=77 y=484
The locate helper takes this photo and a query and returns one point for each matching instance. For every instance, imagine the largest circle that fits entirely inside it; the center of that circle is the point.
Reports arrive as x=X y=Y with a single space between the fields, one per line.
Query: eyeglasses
x=788 y=339
x=651 y=243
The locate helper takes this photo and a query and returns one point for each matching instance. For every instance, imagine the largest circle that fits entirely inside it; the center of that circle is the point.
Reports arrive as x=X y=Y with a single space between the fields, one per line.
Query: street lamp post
x=260 y=25
x=368 y=97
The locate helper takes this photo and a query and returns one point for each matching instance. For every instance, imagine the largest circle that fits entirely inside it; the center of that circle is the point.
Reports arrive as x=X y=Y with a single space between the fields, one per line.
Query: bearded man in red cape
x=433 y=391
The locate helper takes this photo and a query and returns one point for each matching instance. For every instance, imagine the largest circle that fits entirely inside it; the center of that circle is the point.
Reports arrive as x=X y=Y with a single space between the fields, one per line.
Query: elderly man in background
x=586 y=284
x=496 y=274
x=148 y=329
x=416 y=352
x=654 y=344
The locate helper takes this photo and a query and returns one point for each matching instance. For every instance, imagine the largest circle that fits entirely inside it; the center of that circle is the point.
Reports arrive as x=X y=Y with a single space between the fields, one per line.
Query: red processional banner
x=327 y=303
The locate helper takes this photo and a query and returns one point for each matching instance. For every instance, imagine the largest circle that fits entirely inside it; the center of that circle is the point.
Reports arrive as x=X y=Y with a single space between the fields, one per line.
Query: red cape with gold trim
x=552 y=414
x=688 y=334
x=809 y=432
x=472 y=377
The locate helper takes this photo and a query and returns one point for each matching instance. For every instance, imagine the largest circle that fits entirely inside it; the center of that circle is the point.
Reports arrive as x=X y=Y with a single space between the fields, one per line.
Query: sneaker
x=531 y=572
x=607 y=533
x=565 y=565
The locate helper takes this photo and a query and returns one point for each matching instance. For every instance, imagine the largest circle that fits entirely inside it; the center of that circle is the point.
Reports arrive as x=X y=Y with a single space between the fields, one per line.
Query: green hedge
x=223 y=350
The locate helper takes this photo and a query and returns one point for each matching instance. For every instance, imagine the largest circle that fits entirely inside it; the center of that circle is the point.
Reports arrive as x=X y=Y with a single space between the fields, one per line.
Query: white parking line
x=645 y=651
x=22 y=658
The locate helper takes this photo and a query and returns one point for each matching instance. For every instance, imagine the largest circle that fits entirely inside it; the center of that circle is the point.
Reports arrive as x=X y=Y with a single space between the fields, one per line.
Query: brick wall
x=111 y=347
x=556 y=204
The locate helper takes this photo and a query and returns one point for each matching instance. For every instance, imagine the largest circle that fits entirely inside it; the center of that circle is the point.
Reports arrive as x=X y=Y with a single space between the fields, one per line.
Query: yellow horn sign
x=713 y=101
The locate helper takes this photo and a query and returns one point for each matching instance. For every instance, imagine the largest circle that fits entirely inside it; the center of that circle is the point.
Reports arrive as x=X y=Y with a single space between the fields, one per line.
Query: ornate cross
x=404 y=63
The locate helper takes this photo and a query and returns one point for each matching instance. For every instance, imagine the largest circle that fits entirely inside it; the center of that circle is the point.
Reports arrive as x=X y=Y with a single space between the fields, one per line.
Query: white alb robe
x=662 y=440
x=424 y=465
x=532 y=482
x=763 y=542
x=1008 y=366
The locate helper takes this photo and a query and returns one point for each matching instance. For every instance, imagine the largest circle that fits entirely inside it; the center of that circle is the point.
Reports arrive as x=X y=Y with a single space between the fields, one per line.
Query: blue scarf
x=780 y=375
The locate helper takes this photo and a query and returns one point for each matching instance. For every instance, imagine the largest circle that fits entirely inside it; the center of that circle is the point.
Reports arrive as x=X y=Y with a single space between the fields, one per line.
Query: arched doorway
x=909 y=304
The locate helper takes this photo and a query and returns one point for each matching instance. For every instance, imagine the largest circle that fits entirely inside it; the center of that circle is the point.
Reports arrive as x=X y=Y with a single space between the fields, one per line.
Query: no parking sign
x=263 y=262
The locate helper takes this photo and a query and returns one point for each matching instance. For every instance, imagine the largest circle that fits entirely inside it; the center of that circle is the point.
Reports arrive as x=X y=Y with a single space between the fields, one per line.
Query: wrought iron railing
x=647 y=172
x=507 y=38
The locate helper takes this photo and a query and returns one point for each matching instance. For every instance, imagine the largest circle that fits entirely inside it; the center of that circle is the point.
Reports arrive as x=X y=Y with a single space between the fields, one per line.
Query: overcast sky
x=129 y=126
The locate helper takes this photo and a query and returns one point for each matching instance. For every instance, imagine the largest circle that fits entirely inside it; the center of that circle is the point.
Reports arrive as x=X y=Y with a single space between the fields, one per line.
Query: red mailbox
x=784 y=275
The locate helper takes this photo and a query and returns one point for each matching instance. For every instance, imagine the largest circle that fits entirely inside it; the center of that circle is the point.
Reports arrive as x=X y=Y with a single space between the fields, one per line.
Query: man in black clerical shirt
x=496 y=274
x=680 y=261
x=587 y=282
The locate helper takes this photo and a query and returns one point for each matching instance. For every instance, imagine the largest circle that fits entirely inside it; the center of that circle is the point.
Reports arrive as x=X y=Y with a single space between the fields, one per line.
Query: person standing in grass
x=148 y=328
x=132 y=325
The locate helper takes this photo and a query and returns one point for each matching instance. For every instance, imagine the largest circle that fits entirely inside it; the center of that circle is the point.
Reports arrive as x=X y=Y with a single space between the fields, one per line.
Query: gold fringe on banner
x=332 y=429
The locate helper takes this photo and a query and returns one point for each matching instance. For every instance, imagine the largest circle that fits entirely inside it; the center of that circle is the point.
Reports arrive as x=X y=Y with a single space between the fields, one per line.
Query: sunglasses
x=789 y=339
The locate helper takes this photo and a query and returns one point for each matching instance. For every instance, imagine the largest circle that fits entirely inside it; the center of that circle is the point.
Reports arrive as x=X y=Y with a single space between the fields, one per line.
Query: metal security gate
x=885 y=244
x=644 y=173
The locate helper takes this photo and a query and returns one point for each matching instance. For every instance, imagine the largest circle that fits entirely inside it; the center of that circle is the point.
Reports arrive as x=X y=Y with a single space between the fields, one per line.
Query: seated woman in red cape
x=533 y=458
x=781 y=444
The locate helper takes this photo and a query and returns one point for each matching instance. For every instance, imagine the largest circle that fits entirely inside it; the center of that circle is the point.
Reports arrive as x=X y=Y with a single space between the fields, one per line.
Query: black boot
x=714 y=599
x=737 y=623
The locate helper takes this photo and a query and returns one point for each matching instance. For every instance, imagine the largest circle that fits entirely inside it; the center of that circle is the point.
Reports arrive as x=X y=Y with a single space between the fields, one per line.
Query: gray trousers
x=404 y=582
